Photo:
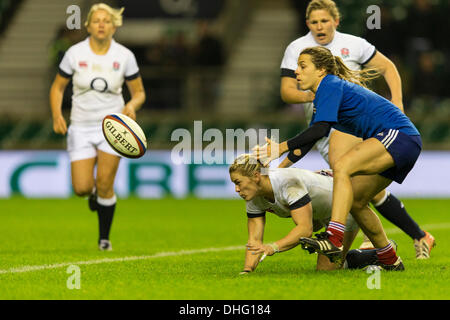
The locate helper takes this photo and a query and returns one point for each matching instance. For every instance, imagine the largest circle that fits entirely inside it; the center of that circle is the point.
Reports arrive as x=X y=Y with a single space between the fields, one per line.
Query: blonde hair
x=322 y=58
x=247 y=165
x=116 y=14
x=327 y=5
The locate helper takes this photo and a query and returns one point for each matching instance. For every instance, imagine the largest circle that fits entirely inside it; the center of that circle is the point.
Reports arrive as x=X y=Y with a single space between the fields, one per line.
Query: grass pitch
x=192 y=249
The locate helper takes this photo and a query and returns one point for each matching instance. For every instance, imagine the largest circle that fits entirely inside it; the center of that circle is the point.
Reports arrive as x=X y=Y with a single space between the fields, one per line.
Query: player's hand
x=268 y=152
x=59 y=125
x=261 y=248
x=129 y=111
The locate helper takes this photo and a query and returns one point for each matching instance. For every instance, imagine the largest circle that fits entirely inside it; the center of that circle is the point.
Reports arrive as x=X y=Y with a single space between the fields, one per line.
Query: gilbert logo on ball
x=124 y=135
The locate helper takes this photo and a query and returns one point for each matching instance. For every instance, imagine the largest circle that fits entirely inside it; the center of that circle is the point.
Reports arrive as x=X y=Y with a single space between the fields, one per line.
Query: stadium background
x=215 y=61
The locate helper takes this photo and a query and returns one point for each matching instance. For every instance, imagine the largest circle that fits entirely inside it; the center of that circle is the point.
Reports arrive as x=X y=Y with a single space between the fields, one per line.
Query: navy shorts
x=403 y=148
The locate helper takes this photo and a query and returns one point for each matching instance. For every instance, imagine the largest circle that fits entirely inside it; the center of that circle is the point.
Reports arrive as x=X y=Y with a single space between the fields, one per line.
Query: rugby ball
x=124 y=135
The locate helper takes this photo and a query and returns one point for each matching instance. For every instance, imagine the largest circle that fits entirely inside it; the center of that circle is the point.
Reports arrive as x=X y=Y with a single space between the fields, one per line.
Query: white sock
x=107 y=202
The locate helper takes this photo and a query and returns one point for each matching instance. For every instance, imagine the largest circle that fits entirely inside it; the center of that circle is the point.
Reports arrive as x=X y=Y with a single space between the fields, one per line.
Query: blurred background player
x=98 y=67
x=322 y=19
x=303 y=195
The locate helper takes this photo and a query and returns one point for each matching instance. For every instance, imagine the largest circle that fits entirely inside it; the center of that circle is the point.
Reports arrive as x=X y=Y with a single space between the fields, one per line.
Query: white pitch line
x=123 y=259
x=390 y=231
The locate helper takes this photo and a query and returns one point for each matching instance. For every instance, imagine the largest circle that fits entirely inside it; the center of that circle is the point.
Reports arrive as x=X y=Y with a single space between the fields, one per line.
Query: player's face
x=308 y=76
x=246 y=187
x=101 y=26
x=322 y=26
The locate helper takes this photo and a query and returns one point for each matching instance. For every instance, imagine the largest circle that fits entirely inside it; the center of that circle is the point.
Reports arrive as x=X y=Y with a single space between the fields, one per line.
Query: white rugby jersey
x=294 y=188
x=354 y=51
x=97 y=80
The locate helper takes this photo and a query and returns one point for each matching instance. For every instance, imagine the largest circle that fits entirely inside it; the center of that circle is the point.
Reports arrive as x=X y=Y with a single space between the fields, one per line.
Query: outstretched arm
x=255 y=238
x=301 y=143
x=303 y=219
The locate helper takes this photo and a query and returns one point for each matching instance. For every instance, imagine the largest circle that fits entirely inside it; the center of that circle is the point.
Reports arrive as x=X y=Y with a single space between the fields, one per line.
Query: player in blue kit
x=390 y=147
x=323 y=19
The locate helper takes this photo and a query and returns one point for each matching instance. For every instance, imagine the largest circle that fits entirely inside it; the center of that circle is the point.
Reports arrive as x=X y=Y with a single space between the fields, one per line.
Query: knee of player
x=104 y=184
x=82 y=191
x=359 y=204
x=105 y=191
x=341 y=167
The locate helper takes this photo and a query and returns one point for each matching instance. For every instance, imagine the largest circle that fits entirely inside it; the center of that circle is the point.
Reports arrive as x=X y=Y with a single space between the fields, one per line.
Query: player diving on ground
x=302 y=195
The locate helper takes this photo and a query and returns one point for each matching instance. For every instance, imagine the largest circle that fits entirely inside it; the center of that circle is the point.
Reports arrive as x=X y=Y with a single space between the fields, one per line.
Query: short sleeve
x=131 y=68
x=367 y=51
x=295 y=194
x=66 y=67
x=289 y=62
x=253 y=210
x=328 y=99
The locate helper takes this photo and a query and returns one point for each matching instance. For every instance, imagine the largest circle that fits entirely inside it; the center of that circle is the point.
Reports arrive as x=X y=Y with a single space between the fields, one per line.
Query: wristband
x=274 y=247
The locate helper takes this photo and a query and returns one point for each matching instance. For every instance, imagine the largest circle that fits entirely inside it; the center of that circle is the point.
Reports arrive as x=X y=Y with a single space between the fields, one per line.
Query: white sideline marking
x=108 y=260
x=390 y=231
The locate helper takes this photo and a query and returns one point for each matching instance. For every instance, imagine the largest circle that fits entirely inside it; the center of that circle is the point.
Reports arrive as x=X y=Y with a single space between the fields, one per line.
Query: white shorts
x=323 y=145
x=83 y=143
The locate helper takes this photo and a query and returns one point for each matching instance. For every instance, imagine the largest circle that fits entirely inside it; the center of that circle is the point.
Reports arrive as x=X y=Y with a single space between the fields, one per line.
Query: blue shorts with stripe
x=403 y=148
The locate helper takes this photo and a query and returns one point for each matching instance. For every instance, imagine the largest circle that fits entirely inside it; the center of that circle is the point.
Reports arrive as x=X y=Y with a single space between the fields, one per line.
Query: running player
x=98 y=67
x=322 y=18
x=302 y=195
x=390 y=147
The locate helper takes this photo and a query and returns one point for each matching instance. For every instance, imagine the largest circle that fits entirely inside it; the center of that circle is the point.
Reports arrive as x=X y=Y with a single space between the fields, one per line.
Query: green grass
x=44 y=232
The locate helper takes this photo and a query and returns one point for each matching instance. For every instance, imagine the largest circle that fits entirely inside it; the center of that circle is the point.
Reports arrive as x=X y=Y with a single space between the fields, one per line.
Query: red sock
x=336 y=231
x=387 y=254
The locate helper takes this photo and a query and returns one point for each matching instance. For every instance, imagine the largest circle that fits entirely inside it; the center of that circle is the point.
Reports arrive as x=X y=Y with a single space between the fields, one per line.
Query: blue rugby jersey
x=356 y=110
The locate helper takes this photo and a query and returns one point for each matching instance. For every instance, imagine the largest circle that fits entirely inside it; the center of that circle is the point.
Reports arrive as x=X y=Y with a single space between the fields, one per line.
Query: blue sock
x=394 y=211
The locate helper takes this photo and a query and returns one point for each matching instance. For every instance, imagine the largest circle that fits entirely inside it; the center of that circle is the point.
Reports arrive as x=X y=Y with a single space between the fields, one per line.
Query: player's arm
x=302 y=217
x=137 y=92
x=304 y=226
x=292 y=157
x=56 y=96
x=255 y=227
x=298 y=146
x=390 y=73
x=291 y=94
